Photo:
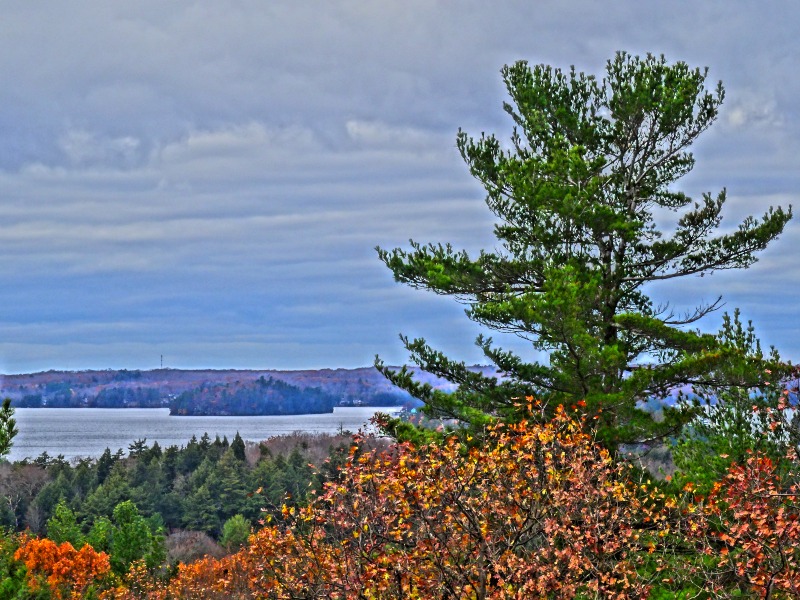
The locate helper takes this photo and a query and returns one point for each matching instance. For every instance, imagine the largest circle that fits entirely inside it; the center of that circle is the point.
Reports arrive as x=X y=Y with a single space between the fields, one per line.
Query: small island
x=264 y=396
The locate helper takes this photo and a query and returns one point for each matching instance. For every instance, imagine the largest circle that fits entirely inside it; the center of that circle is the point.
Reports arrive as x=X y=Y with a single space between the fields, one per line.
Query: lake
x=77 y=432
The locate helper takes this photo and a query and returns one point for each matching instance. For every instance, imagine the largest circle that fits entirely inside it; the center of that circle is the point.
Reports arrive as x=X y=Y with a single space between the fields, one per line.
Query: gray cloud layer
x=207 y=180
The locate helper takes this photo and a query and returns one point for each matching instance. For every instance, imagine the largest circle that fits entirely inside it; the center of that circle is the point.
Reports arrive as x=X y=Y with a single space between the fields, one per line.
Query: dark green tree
x=57 y=489
x=190 y=457
x=83 y=479
x=104 y=465
x=229 y=483
x=238 y=447
x=201 y=512
x=102 y=500
x=8 y=427
x=137 y=448
x=590 y=169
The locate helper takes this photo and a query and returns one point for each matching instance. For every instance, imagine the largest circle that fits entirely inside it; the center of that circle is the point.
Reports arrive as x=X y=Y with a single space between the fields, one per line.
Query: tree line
x=197 y=487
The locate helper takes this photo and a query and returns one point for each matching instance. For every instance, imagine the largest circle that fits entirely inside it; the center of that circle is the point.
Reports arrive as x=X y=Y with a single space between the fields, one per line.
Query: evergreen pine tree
x=8 y=427
x=238 y=447
x=591 y=166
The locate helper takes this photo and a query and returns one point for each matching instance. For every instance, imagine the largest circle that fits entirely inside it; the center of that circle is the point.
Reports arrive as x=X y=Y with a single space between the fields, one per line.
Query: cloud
x=238 y=141
x=212 y=178
x=84 y=148
x=381 y=135
x=754 y=112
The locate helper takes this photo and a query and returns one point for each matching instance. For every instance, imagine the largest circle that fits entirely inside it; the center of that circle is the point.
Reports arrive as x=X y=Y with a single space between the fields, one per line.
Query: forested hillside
x=214 y=391
x=260 y=397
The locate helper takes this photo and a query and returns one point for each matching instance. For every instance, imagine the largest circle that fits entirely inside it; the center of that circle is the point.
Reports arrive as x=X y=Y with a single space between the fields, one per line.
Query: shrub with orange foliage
x=213 y=579
x=69 y=573
x=754 y=534
x=534 y=510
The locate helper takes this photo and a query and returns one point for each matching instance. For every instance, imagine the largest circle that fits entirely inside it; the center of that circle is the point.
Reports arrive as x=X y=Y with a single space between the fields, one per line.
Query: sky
x=207 y=181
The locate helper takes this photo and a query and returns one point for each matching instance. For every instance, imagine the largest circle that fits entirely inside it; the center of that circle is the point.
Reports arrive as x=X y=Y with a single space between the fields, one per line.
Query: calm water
x=88 y=431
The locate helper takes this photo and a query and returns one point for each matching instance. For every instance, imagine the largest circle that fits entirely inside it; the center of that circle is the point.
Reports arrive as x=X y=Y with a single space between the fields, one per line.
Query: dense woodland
x=261 y=397
x=536 y=484
x=188 y=501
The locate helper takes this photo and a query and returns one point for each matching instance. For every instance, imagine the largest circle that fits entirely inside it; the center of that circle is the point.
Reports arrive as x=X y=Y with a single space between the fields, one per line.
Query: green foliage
x=237 y=446
x=104 y=465
x=101 y=534
x=199 y=487
x=590 y=165
x=63 y=526
x=749 y=414
x=201 y=511
x=235 y=532
x=8 y=427
x=137 y=448
x=52 y=493
x=129 y=537
x=12 y=573
x=105 y=497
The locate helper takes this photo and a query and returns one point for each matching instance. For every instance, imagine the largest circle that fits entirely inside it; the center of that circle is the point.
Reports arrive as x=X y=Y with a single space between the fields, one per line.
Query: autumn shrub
x=535 y=510
x=752 y=539
x=64 y=571
x=531 y=510
x=227 y=578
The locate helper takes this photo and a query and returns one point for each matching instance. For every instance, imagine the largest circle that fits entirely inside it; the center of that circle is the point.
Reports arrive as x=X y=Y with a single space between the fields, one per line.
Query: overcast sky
x=207 y=181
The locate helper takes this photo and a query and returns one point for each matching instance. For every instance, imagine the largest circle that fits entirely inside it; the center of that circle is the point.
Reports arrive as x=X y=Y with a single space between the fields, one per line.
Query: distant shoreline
x=235 y=392
x=87 y=433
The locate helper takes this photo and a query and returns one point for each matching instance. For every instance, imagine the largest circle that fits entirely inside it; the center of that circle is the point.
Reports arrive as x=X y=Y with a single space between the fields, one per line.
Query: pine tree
x=238 y=447
x=8 y=427
x=590 y=166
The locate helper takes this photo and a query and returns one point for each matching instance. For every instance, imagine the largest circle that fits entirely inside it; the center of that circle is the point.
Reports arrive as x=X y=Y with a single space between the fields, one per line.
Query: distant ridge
x=202 y=390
